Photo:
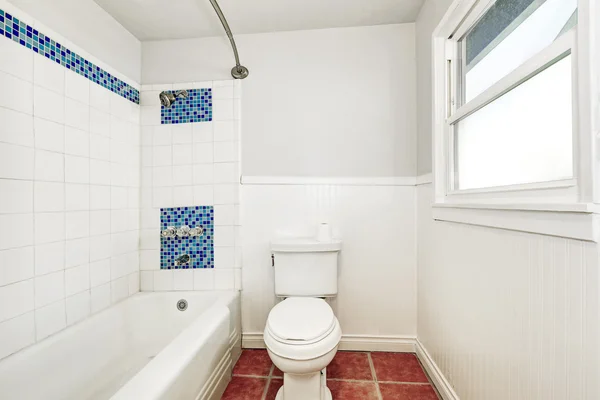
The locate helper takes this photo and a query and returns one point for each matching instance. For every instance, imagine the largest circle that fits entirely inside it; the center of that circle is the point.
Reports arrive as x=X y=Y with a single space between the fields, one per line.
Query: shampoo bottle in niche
x=324 y=232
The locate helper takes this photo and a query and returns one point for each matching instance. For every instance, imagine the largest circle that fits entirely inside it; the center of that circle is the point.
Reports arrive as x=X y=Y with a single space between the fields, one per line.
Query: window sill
x=573 y=220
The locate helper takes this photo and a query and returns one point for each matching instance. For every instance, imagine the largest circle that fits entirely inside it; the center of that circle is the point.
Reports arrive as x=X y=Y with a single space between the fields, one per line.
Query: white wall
x=377 y=274
x=69 y=178
x=192 y=164
x=333 y=102
x=323 y=103
x=87 y=25
x=429 y=17
x=507 y=314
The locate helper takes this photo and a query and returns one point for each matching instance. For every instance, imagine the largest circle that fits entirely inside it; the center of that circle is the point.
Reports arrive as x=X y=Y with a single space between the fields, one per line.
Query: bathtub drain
x=182 y=305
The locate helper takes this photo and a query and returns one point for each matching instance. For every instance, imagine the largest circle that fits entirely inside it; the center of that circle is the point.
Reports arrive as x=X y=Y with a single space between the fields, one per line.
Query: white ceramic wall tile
x=202 y=132
x=99 y=98
x=77 y=115
x=77 y=197
x=99 y=122
x=49 y=166
x=183 y=196
x=49 y=74
x=147 y=281
x=119 y=289
x=16 y=162
x=16 y=299
x=77 y=88
x=189 y=176
x=181 y=133
x=21 y=232
x=203 y=153
x=77 y=252
x=77 y=279
x=48 y=105
x=183 y=279
x=100 y=297
x=77 y=142
x=77 y=224
x=49 y=197
x=17 y=333
x=204 y=195
x=204 y=279
x=49 y=288
x=100 y=247
x=48 y=135
x=182 y=175
x=17 y=93
x=16 y=60
x=48 y=209
x=99 y=147
x=16 y=265
x=163 y=280
x=16 y=196
x=49 y=258
x=49 y=227
x=224 y=257
x=50 y=319
x=182 y=154
x=203 y=174
x=77 y=169
x=224 y=279
x=16 y=128
x=78 y=307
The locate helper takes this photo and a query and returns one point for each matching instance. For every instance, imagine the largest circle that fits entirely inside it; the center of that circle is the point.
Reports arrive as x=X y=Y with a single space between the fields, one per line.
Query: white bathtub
x=142 y=348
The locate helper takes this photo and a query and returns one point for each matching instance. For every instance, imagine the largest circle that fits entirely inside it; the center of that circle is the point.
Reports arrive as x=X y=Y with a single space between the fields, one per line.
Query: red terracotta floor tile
x=346 y=390
x=277 y=373
x=397 y=391
x=273 y=388
x=242 y=388
x=350 y=365
x=398 y=367
x=253 y=362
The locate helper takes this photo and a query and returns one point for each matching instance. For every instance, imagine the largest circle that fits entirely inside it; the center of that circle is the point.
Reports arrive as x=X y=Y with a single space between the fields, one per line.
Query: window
x=510 y=101
x=515 y=134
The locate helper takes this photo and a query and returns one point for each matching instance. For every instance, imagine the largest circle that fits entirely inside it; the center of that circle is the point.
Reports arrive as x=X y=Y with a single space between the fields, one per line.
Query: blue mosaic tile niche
x=200 y=249
x=197 y=107
x=25 y=35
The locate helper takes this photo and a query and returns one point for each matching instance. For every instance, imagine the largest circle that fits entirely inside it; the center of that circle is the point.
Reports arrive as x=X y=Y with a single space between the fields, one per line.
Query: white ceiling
x=180 y=19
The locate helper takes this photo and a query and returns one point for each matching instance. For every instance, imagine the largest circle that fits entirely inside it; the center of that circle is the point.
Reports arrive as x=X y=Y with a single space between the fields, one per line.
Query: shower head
x=167 y=98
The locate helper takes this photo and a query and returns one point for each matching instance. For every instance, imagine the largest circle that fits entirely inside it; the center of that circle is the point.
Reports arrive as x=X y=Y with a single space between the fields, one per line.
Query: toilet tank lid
x=304 y=245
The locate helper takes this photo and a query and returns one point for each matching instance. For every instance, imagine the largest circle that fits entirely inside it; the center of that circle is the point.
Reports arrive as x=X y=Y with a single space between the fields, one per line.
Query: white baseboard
x=435 y=374
x=397 y=344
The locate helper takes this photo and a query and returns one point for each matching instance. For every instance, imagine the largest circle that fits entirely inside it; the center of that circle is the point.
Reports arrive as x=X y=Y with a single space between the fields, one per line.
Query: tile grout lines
x=374 y=374
x=264 y=395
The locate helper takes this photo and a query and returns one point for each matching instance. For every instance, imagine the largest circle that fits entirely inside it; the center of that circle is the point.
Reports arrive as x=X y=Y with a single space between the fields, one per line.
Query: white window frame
x=534 y=207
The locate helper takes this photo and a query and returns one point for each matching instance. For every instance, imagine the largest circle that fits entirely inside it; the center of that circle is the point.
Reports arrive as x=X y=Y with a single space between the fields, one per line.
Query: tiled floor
x=350 y=376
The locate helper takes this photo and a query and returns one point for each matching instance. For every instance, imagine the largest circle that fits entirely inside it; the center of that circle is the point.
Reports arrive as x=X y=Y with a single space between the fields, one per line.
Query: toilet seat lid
x=301 y=320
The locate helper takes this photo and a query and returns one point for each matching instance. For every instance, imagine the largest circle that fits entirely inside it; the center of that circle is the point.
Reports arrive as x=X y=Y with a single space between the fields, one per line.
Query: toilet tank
x=305 y=267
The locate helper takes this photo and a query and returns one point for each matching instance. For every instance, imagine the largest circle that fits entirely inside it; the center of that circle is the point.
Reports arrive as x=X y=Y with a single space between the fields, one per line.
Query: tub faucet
x=182 y=260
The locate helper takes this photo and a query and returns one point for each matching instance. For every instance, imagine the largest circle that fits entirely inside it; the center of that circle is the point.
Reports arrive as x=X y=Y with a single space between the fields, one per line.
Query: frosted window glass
x=509 y=34
x=524 y=136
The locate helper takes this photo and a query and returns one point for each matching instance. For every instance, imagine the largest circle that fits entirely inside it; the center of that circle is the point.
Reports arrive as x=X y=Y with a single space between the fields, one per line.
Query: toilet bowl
x=302 y=335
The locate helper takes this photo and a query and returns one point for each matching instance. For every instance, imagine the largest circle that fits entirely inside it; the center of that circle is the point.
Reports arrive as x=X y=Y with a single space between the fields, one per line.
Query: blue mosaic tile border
x=12 y=28
x=200 y=249
x=197 y=107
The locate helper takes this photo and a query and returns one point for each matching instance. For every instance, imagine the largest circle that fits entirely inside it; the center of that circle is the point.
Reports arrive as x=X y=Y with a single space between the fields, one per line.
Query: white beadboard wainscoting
x=376 y=302
x=505 y=314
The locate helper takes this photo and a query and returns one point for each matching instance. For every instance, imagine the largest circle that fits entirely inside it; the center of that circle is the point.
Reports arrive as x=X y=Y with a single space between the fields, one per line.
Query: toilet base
x=327 y=394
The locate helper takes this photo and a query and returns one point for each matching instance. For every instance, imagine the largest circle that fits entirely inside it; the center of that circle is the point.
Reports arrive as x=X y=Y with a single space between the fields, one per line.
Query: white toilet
x=302 y=333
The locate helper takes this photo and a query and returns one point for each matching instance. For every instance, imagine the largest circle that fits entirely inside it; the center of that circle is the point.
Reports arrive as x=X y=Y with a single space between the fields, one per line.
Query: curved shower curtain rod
x=239 y=71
